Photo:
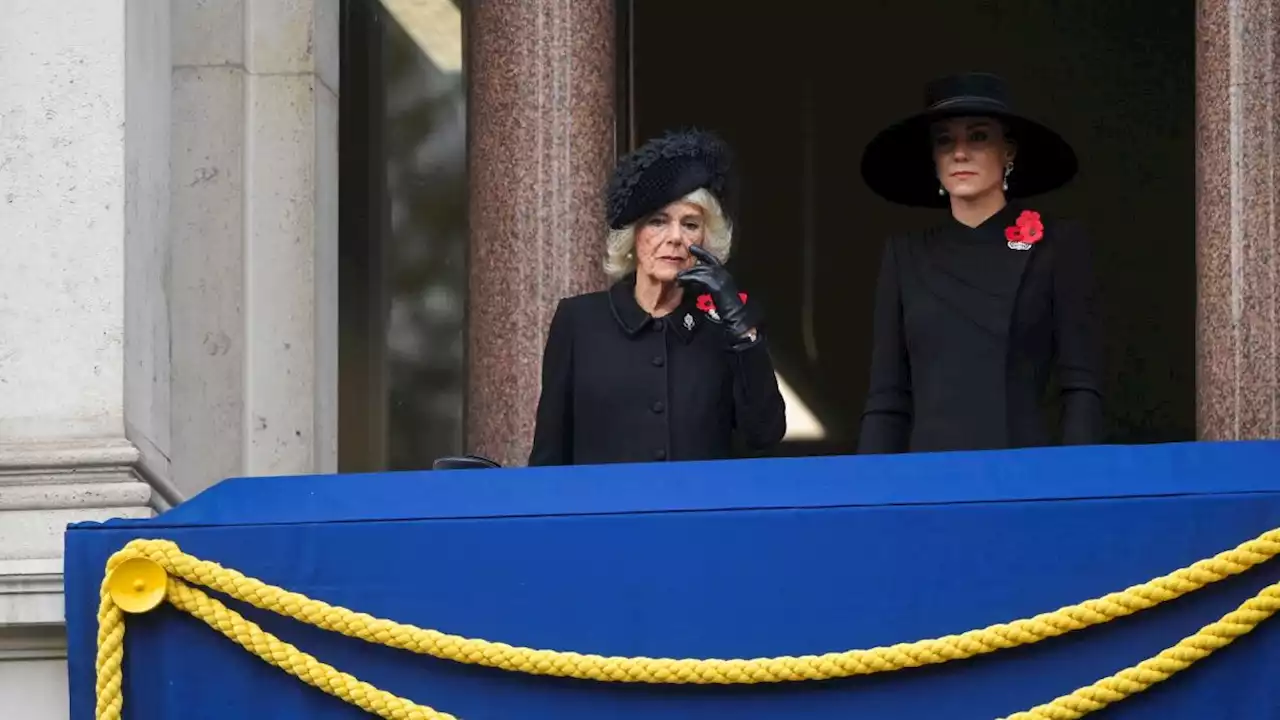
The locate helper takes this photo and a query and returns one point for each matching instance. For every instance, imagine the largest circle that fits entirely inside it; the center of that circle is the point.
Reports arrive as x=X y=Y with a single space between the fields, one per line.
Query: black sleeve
x=553 y=431
x=886 y=418
x=1078 y=338
x=760 y=413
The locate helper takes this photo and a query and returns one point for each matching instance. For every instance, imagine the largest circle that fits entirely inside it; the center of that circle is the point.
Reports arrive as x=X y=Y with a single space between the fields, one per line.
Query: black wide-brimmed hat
x=666 y=169
x=898 y=163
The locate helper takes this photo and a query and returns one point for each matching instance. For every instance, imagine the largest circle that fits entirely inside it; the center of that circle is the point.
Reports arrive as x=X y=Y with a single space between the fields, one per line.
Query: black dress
x=621 y=386
x=968 y=332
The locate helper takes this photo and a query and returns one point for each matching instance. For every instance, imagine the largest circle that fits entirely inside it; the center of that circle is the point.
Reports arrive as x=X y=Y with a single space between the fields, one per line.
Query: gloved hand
x=730 y=306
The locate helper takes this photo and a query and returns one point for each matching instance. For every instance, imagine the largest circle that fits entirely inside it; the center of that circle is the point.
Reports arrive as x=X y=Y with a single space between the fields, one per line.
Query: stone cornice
x=31 y=592
x=68 y=454
x=105 y=472
x=40 y=642
x=44 y=486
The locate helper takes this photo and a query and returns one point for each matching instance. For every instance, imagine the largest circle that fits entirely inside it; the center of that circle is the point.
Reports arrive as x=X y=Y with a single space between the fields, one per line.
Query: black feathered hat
x=666 y=169
x=898 y=163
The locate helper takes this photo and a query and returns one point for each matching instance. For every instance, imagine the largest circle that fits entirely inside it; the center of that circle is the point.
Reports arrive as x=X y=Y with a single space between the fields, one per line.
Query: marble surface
x=1237 y=253
x=82 y=178
x=541 y=146
x=253 y=240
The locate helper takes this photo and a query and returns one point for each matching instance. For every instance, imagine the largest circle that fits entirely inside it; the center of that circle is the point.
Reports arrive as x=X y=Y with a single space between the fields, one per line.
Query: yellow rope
x=1135 y=679
x=306 y=668
x=250 y=636
x=168 y=556
x=110 y=660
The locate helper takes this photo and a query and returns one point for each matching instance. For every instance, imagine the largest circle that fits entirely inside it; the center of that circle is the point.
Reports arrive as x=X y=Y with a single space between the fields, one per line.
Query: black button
x=657 y=326
x=657 y=361
x=659 y=407
x=659 y=454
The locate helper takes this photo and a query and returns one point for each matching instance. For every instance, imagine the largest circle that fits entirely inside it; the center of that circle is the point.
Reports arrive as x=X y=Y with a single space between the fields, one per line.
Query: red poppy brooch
x=1026 y=231
x=708 y=306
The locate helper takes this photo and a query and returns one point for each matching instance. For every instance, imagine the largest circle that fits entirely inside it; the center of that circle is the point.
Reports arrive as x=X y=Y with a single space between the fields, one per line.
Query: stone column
x=1237 y=246
x=254 y=287
x=168 y=281
x=83 y=177
x=541 y=137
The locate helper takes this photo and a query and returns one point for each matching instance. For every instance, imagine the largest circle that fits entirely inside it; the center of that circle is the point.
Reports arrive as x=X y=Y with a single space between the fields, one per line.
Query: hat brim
x=898 y=163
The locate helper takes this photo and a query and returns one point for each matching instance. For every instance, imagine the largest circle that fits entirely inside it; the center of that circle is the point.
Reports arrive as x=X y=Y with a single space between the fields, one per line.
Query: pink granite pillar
x=1237 y=252
x=541 y=144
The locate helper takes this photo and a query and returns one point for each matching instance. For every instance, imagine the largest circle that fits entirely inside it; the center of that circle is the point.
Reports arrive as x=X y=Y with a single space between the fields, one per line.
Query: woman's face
x=970 y=155
x=663 y=240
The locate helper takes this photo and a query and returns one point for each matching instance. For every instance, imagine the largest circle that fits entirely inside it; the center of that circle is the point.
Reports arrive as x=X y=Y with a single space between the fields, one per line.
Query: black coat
x=968 y=332
x=621 y=386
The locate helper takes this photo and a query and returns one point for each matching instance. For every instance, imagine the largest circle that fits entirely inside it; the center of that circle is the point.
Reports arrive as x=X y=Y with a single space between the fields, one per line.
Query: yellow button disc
x=137 y=585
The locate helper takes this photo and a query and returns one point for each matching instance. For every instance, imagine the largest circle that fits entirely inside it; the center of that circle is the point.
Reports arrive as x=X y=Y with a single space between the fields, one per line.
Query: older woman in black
x=974 y=315
x=668 y=363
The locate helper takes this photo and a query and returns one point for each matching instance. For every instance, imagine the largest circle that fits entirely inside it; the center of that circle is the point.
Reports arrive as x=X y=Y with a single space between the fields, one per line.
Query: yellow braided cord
x=667 y=671
x=1135 y=679
x=306 y=668
x=709 y=671
x=1097 y=696
x=110 y=660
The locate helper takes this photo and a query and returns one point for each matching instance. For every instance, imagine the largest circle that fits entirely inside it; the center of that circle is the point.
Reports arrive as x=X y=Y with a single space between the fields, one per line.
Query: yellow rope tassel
x=177 y=564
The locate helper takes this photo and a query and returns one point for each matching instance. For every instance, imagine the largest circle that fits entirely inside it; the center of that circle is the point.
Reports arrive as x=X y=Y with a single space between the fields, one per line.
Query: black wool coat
x=621 y=386
x=968 y=333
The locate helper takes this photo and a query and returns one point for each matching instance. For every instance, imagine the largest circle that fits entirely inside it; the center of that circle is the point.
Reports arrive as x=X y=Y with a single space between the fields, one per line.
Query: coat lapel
x=973 y=272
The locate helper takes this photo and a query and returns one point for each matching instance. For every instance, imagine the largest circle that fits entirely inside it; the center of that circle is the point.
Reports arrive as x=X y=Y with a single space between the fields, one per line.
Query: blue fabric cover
x=716 y=559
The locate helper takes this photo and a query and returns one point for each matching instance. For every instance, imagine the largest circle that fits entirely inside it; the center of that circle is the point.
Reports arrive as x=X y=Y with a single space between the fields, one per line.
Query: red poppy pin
x=708 y=306
x=1026 y=231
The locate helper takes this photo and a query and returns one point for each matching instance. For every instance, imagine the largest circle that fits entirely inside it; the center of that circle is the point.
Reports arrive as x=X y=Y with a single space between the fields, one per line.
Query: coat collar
x=989 y=229
x=684 y=321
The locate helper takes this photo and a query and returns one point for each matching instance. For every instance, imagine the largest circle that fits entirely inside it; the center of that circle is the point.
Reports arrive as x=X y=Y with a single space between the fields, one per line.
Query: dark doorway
x=402 y=276
x=799 y=90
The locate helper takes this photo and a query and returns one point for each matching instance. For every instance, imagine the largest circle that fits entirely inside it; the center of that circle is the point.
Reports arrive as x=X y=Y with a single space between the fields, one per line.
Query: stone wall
x=168 y=287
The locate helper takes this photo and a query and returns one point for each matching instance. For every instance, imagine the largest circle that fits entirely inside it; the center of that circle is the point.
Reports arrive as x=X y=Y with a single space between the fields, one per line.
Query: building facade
x=181 y=300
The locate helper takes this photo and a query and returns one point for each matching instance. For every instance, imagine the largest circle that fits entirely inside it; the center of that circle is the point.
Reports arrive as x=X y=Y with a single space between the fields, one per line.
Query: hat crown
x=666 y=169
x=967 y=86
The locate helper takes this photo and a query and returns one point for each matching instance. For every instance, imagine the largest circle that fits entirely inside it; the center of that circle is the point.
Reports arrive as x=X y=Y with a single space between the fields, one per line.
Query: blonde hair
x=620 y=255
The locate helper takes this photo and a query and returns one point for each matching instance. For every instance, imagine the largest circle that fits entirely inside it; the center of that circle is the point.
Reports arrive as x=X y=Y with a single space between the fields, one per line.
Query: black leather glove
x=713 y=276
